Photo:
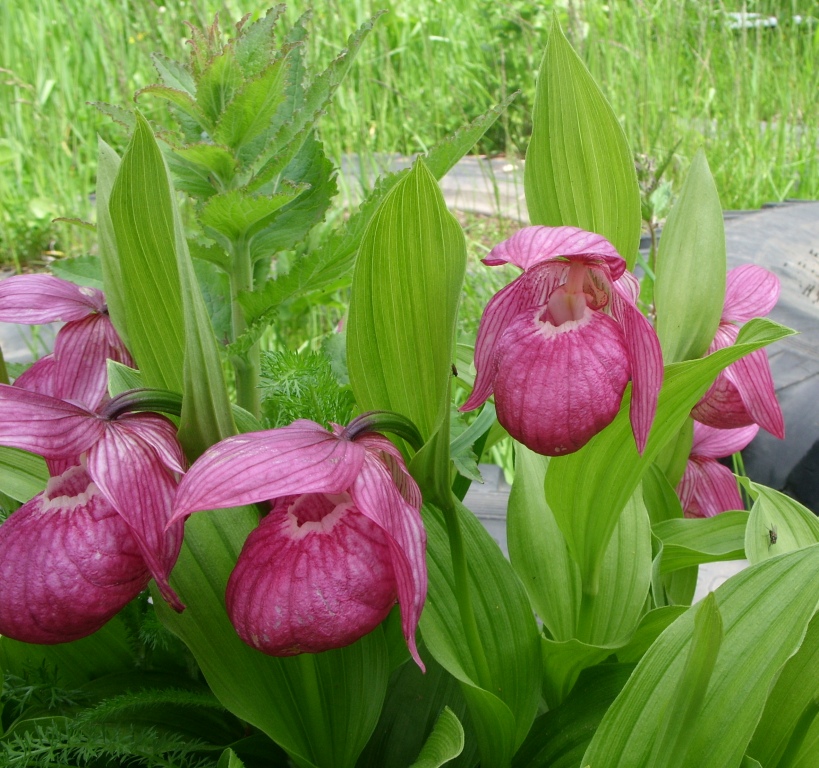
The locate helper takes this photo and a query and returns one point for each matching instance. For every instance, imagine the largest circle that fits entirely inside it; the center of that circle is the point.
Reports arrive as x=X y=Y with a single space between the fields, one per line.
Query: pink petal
x=33 y=299
x=376 y=496
x=68 y=563
x=45 y=425
x=527 y=292
x=646 y=358
x=158 y=432
x=534 y=245
x=557 y=387
x=81 y=351
x=708 y=488
x=751 y=375
x=718 y=443
x=39 y=377
x=130 y=474
x=300 y=458
x=315 y=575
x=750 y=291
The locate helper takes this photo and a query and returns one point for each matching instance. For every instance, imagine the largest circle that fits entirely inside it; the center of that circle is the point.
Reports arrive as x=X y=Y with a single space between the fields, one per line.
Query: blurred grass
x=673 y=69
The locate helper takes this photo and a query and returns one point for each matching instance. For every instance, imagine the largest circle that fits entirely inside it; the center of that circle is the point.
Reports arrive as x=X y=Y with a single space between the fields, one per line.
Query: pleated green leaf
x=23 y=474
x=444 y=744
x=588 y=490
x=777 y=524
x=501 y=716
x=704 y=540
x=579 y=168
x=406 y=289
x=765 y=613
x=562 y=664
x=651 y=626
x=689 y=290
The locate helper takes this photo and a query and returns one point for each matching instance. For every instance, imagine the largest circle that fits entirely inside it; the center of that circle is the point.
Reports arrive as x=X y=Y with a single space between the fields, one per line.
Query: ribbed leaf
x=178 y=98
x=218 y=84
x=444 y=744
x=23 y=474
x=173 y=74
x=651 y=626
x=704 y=540
x=765 y=612
x=579 y=168
x=609 y=467
x=237 y=214
x=691 y=264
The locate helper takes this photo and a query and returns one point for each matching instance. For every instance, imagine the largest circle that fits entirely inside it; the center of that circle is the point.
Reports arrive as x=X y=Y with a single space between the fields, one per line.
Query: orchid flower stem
x=245 y=367
x=585 y=616
x=464 y=596
x=4 y=374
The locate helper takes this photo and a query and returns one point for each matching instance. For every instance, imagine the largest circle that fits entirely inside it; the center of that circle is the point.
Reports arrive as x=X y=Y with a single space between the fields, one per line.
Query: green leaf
x=178 y=98
x=704 y=540
x=651 y=626
x=82 y=270
x=777 y=524
x=562 y=664
x=610 y=468
x=661 y=500
x=121 y=378
x=119 y=115
x=173 y=74
x=403 y=307
x=559 y=737
x=235 y=215
x=579 y=168
x=765 y=612
x=24 y=474
x=689 y=290
x=200 y=162
x=501 y=717
x=255 y=45
x=445 y=742
x=229 y=759
x=218 y=84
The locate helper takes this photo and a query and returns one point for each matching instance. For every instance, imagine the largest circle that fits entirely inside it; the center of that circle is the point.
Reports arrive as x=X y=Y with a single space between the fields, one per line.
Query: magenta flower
x=707 y=487
x=74 y=555
x=558 y=345
x=342 y=542
x=743 y=394
x=76 y=371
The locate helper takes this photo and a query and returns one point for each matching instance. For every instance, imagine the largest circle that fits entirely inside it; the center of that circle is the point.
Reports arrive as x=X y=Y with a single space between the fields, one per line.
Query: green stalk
x=245 y=367
x=4 y=374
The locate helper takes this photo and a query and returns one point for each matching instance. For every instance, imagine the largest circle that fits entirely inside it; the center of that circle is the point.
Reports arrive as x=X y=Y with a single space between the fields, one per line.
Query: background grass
x=674 y=70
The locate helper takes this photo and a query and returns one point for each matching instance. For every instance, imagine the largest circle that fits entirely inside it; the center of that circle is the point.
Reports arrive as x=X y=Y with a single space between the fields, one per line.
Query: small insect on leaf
x=771 y=535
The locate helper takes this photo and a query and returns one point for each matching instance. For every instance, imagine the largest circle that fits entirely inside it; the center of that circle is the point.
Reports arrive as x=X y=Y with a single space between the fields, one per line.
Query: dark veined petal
x=68 y=563
x=45 y=425
x=300 y=458
x=315 y=575
x=708 y=488
x=750 y=291
x=531 y=246
x=158 y=432
x=557 y=387
x=527 y=292
x=34 y=299
x=131 y=476
x=377 y=498
x=718 y=443
x=39 y=377
x=81 y=350
x=646 y=358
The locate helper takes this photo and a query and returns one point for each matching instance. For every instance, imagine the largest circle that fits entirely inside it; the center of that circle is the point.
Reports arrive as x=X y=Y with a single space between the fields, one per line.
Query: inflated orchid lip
x=132 y=459
x=565 y=268
x=296 y=462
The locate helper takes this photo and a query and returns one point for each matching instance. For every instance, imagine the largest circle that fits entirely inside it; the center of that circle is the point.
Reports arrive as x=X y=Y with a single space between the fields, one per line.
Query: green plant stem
x=4 y=374
x=585 y=616
x=246 y=367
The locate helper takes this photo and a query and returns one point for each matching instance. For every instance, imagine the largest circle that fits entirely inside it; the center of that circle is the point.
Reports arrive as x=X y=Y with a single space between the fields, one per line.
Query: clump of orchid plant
x=558 y=346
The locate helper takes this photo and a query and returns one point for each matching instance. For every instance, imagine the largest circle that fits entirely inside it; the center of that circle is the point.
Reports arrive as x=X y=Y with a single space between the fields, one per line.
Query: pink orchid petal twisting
x=36 y=299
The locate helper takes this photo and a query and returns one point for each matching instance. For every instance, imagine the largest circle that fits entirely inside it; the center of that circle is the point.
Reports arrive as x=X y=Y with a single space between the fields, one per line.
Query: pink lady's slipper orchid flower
x=743 y=394
x=76 y=371
x=75 y=554
x=559 y=344
x=342 y=542
x=707 y=487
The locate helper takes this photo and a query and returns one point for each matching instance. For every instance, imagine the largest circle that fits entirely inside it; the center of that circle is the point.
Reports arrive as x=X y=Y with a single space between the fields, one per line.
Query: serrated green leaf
x=255 y=45
x=689 y=289
x=610 y=468
x=119 y=115
x=215 y=287
x=444 y=744
x=82 y=270
x=180 y=99
x=203 y=161
x=765 y=612
x=704 y=540
x=23 y=474
x=777 y=524
x=218 y=84
x=78 y=223
x=173 y=74
x=579 y=168
x=235 y=215
x=229 y=759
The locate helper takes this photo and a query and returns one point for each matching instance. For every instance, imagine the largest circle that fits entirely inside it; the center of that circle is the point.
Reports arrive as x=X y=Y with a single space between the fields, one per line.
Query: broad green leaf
x=444 y=744
x=218 y=84
x=704 y=540
x=765 y=612
x=121 y=378
x=610 y=468
x=661 y=501
x=673 y=458
x=23 y=474
x=777 y=524
x=236 y=215
x=82 y=270
x=651 y=626
x=686 y=704
x=562 y=664
x=173 y=74
x=689 y=289
x=107 y=168
x=501 y=716
x=792 y=699
x=404 y=303
x=559 y=737
x=579 y=168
